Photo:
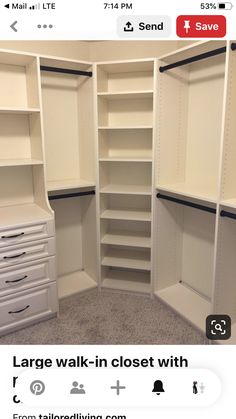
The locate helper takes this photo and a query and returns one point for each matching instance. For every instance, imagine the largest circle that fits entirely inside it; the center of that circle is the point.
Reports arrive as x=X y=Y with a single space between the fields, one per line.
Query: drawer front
x=24 y=253
x=24 y=308
x=27 y=275
x=26 y=233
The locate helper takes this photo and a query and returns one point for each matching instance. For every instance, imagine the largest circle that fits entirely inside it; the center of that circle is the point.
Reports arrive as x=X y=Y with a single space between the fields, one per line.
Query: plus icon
x=118 y=387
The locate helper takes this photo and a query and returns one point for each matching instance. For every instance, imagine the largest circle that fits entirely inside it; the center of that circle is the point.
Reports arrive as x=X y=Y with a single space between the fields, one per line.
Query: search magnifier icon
x=218 y=327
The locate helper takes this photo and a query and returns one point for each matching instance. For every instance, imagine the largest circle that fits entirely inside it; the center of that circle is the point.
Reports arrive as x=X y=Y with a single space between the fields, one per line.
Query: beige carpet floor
x=109 y=318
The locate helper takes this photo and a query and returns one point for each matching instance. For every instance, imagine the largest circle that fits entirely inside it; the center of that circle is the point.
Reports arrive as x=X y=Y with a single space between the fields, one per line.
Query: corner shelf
x=74 y=283
x=189 y=191
x=187 y=303
x=60 y=185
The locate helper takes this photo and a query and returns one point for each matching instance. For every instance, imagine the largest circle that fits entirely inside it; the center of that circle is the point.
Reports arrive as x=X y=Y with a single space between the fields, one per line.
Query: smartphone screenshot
x=117 y=209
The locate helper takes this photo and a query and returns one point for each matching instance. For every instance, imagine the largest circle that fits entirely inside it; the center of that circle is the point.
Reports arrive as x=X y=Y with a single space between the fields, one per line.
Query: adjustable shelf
x=131 y=259
x=125 y=127
x=117 y=214
x=125 y=238
x=126 y=189
x=125 y=159
x=142 y=94
x=126 y=280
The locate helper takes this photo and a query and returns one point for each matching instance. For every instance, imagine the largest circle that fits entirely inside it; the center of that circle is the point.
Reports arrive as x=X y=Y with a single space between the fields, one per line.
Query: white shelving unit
x=26 y=219
x=125 y=98
x=69 y=141
x=195 y=178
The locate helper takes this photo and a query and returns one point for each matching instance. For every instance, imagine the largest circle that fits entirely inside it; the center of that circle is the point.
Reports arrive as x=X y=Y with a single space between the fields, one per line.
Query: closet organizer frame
x=125 y=105
x=28 y=291
x=68 y=84
x=194 y=220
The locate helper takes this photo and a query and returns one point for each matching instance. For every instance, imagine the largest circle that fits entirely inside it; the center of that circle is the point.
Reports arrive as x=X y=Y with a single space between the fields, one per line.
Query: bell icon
x=158 y=387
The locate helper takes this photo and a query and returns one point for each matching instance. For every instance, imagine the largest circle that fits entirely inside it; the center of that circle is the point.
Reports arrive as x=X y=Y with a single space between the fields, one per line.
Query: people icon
x=77 y=389
x=195 y=390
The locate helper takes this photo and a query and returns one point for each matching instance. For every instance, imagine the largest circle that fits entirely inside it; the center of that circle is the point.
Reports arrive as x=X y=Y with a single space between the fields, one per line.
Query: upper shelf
x=62 y=185
x=19 y=111
x=19 y=162
x=189 y=191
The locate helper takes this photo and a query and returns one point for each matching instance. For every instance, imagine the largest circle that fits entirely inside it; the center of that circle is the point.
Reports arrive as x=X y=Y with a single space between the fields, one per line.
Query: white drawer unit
x=26 y=252
x=25 y=308
x=27 y=275
x=25 y=233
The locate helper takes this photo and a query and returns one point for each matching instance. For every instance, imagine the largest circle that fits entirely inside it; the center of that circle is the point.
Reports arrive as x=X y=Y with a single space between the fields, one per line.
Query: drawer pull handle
x=16 y=280
x=15 y=256
x=19 y=311
x=12 y=237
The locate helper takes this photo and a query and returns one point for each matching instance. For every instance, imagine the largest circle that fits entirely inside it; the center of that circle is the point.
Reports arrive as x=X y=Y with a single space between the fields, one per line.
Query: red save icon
x=201 y=26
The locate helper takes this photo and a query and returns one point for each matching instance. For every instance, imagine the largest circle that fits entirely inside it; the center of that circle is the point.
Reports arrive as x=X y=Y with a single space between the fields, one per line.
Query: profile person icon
x=76 y=390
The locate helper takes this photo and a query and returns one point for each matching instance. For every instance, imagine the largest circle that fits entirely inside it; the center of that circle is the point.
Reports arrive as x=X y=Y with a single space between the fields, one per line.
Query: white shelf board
x=231 y=203
x=127 y=281
x=187 y=303
x=189 y=191
x=127 y=189
x=126 y=159
x=139 y=94
x=124 y=127
x=74 y=283
x=126 y=215
x=126 y=238
x=60 y=185
x=22 y=214
x=132 y=259
x=19 y=162
x=19 y=111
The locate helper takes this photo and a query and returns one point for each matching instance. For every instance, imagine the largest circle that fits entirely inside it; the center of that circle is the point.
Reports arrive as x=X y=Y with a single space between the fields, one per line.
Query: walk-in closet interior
x=118 y=171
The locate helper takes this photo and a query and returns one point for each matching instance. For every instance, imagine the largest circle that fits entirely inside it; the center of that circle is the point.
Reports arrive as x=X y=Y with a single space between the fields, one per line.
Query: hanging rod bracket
x=186 y=203
x=66 y=71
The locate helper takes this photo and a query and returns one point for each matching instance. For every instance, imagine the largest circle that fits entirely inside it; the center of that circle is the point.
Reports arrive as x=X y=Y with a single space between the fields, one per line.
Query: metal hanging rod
x=228 y=214
x=199 y=57
x=66 y=71
x=186 y=203
x=70 y=195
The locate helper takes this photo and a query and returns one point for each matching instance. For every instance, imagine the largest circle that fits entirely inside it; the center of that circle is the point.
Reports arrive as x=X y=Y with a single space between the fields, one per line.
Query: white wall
x=95 y=51
x=125 y=50
x=70 y=49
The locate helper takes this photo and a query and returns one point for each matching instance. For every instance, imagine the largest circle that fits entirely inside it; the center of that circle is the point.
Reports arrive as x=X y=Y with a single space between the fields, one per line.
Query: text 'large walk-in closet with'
x=118 y=175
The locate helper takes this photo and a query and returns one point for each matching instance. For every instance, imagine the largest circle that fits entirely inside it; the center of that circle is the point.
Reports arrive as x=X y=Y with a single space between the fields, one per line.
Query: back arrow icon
x=12 y=26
